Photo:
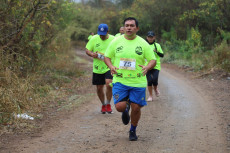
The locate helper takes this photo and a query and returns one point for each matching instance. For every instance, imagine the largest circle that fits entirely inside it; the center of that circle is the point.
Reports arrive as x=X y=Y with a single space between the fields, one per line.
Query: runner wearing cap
x=153 y=74
x=129 y=52
x=96 y=48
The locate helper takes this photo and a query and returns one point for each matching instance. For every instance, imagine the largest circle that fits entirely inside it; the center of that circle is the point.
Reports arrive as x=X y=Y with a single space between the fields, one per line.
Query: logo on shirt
x=97 y=45
x=119 y=49
x=116 y=96
x=139 y=75
x=119 y=75
x=130 y=76
x=138 y=50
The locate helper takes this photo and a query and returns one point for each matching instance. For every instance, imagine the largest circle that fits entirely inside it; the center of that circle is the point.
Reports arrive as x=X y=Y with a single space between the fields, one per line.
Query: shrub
x=222 y=56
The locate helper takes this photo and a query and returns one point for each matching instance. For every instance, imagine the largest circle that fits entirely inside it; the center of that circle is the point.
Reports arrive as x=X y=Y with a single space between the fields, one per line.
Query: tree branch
x=26 y=21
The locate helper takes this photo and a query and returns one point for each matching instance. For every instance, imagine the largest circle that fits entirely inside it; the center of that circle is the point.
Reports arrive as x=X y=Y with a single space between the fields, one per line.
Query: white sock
x=107 y=102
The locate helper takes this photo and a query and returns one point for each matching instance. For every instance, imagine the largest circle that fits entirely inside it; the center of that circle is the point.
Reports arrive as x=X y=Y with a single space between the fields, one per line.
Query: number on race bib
x=128 y=64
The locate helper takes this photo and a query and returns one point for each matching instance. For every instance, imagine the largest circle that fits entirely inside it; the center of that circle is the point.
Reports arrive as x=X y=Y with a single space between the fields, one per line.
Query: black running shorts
x=152 y=77
x=99 y=79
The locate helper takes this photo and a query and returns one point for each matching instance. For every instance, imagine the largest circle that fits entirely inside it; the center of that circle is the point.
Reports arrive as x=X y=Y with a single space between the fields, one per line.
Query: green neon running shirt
x=159 y=49
x=118 y=34
x=127 y=55
x=90 y=36
x=96 y=44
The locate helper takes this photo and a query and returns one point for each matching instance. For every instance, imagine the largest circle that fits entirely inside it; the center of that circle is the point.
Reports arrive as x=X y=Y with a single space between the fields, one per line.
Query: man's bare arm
x=108 y=62
x=91 y=54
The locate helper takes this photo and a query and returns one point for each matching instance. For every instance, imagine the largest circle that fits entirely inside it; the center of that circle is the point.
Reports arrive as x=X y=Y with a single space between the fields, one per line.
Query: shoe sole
x=125 y=118
x=134 y=139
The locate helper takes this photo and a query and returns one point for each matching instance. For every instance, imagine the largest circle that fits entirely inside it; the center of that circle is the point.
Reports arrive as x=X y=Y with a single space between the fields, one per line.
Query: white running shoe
x=157 y=92
x=150 y=99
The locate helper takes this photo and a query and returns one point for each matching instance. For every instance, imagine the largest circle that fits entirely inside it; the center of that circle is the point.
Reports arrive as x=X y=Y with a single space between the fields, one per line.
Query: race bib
x=128 y=64
x=100 y=56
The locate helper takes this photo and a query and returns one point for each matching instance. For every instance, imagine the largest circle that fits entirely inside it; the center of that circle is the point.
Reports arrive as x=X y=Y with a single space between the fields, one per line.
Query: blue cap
x=102 y=29
x=151 y=34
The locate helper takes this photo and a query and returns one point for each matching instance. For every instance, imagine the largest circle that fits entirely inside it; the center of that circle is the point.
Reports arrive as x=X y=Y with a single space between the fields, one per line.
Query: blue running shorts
x=135 y=94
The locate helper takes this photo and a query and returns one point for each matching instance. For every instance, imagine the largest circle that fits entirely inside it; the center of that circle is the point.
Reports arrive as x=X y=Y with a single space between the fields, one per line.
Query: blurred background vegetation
x=37 y=37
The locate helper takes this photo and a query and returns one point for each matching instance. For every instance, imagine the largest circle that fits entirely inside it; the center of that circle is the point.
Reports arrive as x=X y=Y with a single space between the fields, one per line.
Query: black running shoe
x=125 y=115
x=132 y=136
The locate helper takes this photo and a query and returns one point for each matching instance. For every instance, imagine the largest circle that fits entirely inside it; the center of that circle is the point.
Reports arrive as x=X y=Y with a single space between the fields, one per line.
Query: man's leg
x=101 y=96
x=120 y=97
x=135 y=117
x=121 y=106
x=155 y=82
x=157 y=92
x=108 y=95
x=150 y=90
x=137 y=98
x=135 y=114
x=108 y=90
x=100 y=93
x=124 y=107
x=150 y=84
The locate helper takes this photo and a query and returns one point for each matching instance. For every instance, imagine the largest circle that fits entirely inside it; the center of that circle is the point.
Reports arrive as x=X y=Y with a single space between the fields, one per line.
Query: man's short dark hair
x=131 y=18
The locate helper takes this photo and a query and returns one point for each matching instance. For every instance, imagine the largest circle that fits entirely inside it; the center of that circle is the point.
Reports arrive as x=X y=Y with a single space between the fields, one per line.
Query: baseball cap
x=102 y=29
x=150 y=34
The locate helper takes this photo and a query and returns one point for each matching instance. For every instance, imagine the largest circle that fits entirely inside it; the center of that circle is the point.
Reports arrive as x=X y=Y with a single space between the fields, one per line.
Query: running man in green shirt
x=96 y=48
x=153 y=74
x=90 y=36
x=129 y=53
x=121 y=32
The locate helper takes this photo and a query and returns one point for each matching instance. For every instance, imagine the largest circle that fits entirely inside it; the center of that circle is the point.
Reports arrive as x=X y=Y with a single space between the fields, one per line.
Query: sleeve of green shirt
x=159 y=49
x=110 y=50
x=149 y=55
x=89 y=45
x=90 y=36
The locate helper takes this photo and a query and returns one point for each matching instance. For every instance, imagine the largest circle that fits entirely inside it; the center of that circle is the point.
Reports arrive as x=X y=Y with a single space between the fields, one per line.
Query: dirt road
x=181 y=120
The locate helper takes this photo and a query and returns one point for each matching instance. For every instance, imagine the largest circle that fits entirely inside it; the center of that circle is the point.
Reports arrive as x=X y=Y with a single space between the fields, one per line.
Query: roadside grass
x=18 y=96
x=202 y=60
x=50 y=85
x=222 y=56
x=193 y=54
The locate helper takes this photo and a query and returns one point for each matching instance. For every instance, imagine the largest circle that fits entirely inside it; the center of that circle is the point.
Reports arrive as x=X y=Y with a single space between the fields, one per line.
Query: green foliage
x=122 y=4
x=84 y=22
x=32 y=35
x=184 y=52
x=169 y=36
x=225 y=35
x=222 y=56
x=191 y=53
x=29 y=28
